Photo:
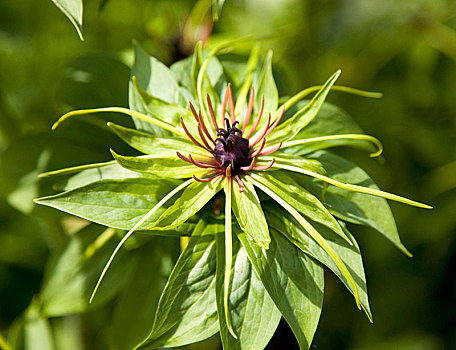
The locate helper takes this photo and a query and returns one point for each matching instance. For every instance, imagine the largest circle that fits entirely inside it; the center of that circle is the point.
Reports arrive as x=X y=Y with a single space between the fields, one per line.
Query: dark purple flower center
x=232 y=148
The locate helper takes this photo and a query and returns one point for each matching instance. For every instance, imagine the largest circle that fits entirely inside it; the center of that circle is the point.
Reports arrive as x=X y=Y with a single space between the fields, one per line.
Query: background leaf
x=72 y=273
x=134 y=312
x=73 y=10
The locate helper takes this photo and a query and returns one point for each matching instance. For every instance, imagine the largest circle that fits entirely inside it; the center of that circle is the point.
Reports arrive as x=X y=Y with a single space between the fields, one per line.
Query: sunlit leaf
x=167 y=165
x=115 y=203
x=190 y=202
x=293 y=280
x=350 y=254
x=152 y=144
x=253 y=313
x=157 y=80
x=299 y=198
x=247 y=209
x=187 y=310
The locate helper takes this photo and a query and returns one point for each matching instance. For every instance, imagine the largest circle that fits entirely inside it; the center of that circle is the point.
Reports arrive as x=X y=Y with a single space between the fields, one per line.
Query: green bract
x=208 y=155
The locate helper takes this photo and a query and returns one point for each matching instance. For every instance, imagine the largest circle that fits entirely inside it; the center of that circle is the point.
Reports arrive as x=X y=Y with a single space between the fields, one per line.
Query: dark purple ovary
x=232 y=148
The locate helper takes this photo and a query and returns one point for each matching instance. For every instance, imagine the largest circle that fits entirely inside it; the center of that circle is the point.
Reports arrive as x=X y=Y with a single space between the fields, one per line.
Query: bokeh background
x=405 y=49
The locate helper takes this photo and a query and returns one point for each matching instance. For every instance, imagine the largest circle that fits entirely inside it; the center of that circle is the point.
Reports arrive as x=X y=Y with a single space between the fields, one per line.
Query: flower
x=233 y=154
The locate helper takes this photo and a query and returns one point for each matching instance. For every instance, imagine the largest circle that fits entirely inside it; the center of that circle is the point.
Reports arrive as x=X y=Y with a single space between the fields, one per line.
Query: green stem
x=228 y=254
x=360 y=137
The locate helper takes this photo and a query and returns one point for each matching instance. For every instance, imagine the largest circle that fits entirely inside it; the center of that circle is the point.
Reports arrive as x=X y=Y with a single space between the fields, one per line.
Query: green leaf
x=187 y=310
x=351 y=206
x=164 y=165
x=157 y=80
x=108 y=172
x=291 y=159
x=247 y=208
x=134 y=312
x=282 y=222
x=290 y=128
x=194 y=197
x=265 y=87
x=115 y=203
x=252 y=311
x=299 y=198
x=72 y=273
x=152 y=144
x=73 y=10
x=293 y=280
x=167 y=112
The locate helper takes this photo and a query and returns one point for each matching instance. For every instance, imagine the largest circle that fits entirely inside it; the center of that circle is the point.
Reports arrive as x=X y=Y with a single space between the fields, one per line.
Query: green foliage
x=405 y=50
x=272 y=265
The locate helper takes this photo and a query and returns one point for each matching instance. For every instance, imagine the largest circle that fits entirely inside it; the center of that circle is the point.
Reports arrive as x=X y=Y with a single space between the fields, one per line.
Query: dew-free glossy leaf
x=108 y=172
x=351 y=206
x=73 y=272
x=247 y=209
x=115 y=203
x=299 y=198
x=253 y=313
x=350 y=254
x=152 y=144
x=293 y=280
x=291 y=127
x=73 y=10
x=194 y=197
x=291 y=159
x=165 y=165
x=187 y=310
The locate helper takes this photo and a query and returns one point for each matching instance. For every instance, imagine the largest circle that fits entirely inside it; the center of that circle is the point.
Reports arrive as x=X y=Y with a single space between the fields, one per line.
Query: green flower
x=272 y=264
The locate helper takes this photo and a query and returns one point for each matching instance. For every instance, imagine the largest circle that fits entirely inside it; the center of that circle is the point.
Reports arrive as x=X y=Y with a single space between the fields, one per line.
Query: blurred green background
x=406 y=49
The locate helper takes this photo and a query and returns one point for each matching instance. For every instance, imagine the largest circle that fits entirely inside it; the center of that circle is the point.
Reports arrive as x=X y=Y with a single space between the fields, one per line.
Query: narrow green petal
x=360 y=137
x=354 y=188
x=127 y=111
x=300 y=95
x=76 y=169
